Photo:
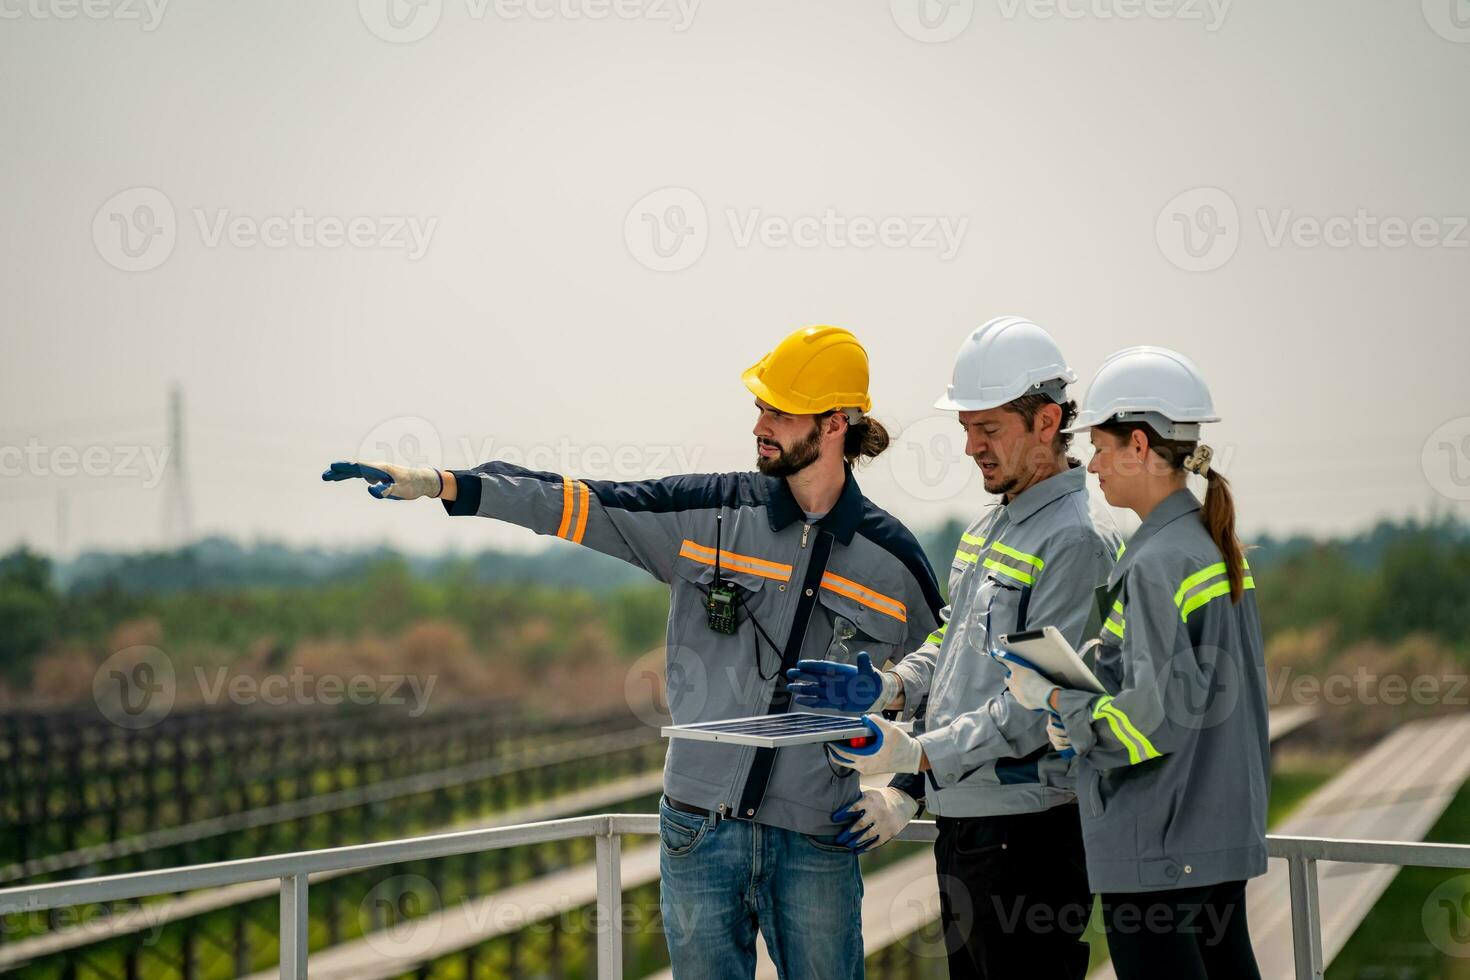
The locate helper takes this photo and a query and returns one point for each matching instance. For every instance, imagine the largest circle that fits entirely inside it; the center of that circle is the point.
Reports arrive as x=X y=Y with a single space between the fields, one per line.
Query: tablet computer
x=1048 y=651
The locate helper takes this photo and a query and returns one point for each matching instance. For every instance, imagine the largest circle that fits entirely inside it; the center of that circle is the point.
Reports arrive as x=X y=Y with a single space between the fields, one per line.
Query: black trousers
x=1183 y=934
x=1013 y=897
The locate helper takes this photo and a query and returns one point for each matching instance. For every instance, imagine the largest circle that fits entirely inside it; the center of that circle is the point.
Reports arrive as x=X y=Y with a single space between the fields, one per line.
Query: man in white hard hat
x=1013 y=882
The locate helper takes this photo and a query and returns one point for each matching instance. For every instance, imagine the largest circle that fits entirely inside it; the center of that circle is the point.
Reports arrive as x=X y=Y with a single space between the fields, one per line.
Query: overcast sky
x=558 y=230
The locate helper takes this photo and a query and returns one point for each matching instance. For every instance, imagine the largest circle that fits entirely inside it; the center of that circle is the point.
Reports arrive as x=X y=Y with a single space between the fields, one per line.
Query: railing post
x=1306 y=918
x=294 y=920
x=609 y=905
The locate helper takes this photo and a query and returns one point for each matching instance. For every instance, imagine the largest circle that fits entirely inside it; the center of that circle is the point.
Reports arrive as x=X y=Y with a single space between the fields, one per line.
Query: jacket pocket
x=698 y=578
x=1089 y=791
x=855 y=627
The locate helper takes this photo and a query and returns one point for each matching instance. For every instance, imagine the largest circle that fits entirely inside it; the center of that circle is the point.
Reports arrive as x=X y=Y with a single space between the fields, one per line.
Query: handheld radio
x=719 y=602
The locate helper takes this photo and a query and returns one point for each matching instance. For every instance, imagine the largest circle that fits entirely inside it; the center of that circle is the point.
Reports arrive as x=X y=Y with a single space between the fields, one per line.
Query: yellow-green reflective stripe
x=969 y=557
x=1008 y=570
x=972 y=539
x=1122 y=547
x=938 y=635
x=1117 y=615
x=1205 y=595
x=1149 y=752
x=1200 y=576
x=1028 y=559
x=1100 y=710
x=1138 y=751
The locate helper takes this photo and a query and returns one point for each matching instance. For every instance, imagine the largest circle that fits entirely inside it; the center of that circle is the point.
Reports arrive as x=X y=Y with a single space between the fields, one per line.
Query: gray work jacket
x=1039 y=560
x=1174 y=762
x=854 y=580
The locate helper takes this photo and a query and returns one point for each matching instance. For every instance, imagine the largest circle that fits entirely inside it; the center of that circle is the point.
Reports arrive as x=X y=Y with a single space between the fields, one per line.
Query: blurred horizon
x=464 y=232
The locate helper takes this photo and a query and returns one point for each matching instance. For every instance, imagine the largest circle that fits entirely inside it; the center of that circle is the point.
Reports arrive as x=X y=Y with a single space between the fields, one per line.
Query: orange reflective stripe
x=736 y=562
x=566 y=508
x=582 y=517
x=865 y=595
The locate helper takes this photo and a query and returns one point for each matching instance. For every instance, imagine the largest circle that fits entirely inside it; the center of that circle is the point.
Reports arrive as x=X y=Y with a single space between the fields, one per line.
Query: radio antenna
x=719 y=520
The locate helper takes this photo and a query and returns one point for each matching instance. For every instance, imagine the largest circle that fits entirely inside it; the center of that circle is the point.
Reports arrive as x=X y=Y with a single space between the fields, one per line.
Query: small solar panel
x=773 y=731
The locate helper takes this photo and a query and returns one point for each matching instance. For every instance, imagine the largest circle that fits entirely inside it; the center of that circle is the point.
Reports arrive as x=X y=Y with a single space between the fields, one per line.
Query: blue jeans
x=720 y=881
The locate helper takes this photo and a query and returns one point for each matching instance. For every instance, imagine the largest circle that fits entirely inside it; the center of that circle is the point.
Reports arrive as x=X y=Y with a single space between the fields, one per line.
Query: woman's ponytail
x=1218 y=516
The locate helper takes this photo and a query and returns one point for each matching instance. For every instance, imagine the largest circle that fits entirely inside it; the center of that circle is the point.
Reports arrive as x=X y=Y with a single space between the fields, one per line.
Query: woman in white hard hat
x=1173 y=761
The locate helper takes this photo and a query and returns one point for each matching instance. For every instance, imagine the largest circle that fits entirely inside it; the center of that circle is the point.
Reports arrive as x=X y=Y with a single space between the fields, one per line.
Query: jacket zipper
x=758 y=772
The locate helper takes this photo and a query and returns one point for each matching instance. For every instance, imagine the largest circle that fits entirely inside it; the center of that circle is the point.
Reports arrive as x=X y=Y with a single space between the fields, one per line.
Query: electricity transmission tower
x=178 y=516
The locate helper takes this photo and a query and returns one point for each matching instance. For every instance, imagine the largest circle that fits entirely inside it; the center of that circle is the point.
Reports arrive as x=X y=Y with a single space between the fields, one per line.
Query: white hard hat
x=1006 y=358
x=1154 y=385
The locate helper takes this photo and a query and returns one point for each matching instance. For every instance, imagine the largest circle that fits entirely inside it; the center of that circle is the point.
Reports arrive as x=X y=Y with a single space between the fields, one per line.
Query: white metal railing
x=1300 y=853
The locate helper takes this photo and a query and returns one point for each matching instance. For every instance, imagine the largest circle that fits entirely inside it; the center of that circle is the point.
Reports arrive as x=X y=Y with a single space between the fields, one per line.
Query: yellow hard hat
x=814 y=370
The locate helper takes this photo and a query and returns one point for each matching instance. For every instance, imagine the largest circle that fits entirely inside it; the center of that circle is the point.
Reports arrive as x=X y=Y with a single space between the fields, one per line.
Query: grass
x=1420 y=928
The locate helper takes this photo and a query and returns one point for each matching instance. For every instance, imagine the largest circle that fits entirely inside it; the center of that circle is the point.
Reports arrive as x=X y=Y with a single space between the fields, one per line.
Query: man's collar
x=1178 y=504
x=1038 y=495
x=842 y=520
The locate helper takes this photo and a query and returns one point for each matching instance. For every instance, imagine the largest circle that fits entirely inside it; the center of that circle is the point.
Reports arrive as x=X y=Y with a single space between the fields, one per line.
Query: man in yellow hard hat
x=808 y=568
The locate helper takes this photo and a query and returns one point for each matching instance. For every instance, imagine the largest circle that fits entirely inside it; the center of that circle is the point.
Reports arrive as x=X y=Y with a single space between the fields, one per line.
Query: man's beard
x=1005 y=486
x=1005 y=483
x=795 y=459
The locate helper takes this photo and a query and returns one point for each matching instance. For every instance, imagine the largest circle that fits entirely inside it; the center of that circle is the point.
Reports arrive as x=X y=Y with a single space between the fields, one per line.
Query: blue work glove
x=1056 y=733
x=841 y=687
x=890 y=750
x=875 y=818
x=389 y=481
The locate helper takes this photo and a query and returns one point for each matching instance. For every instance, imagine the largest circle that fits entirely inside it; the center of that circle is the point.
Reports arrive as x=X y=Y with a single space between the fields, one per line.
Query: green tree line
x=1392 y=581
